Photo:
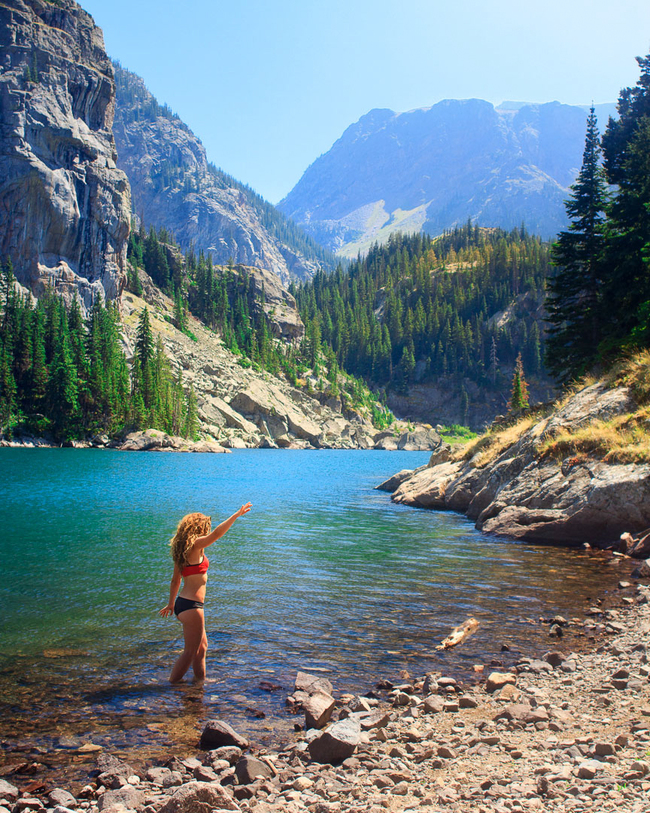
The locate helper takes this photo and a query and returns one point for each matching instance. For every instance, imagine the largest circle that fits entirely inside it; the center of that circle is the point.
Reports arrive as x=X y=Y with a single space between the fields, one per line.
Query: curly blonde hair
x=189 y=528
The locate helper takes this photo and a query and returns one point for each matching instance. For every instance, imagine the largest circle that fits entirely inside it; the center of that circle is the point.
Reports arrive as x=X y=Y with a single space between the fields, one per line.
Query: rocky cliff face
x=522 y=494
x=64 y=204
x=435 y=168
x=174 y=186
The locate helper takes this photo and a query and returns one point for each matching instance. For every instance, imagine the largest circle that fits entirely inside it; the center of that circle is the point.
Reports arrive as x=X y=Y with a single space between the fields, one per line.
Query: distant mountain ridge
x=174 y=185
x=435 y=168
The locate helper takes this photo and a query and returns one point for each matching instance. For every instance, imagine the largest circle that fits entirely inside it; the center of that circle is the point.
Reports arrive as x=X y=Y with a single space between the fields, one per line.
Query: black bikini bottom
x=182 y=604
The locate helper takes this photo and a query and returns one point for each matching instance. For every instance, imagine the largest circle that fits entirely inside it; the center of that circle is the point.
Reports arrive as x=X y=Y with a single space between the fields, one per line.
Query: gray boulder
x=199 y=797
x=61 y=797
x=248 y=769
x=8 y=791
x=217 y=734
x=128 y=796
x=336 y=743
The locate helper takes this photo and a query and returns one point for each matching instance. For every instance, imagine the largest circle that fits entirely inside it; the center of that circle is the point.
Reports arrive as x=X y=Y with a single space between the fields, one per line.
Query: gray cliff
x=174 y=186
x=64 y=204
x=435 y=168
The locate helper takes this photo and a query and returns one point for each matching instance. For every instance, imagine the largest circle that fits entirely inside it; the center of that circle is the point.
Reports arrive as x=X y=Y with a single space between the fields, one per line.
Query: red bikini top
x=202 y=567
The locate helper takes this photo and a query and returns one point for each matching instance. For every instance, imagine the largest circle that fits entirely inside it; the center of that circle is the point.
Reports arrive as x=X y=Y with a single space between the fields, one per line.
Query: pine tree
x=575 y=291
x=626 y=149
x=519 y=394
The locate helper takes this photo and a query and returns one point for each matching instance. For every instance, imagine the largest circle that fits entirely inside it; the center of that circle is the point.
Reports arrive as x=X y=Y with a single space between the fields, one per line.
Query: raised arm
x=220 y=530
x=168 y=609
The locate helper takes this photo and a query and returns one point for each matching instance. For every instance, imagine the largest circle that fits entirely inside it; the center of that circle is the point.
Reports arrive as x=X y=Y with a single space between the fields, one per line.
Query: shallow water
x=324 y=574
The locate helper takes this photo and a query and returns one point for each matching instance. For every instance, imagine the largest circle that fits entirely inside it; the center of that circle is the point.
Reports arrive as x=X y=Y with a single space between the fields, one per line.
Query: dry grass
x=633 y=372
x=489 y=446
x=623 y=439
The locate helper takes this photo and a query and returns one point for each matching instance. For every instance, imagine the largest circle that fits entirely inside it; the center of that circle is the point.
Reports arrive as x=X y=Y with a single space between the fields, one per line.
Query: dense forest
x=419 y=308
x=599 y=296
x=226 y=300
x=69 y=377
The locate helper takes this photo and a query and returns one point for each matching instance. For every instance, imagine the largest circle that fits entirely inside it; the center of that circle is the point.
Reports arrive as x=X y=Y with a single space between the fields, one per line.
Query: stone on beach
x=336 y=743
x=497 y=680
x=199 y=797
x=217 y=734
x=128 y=796
x=8 y=791
x=312 y=684
x=248 y=769
x=318 y=709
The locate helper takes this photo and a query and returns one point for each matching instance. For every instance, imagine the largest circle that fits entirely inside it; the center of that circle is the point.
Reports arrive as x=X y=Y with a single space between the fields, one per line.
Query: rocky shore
x=568 y=730
x=511 y=486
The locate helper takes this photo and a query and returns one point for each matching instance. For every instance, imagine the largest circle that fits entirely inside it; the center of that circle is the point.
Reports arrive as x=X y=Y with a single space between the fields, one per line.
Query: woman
x=188 y=546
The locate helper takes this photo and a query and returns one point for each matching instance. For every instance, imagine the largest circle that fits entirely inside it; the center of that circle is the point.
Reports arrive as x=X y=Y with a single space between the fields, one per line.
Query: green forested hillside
x=460 y=307
x=67 y=377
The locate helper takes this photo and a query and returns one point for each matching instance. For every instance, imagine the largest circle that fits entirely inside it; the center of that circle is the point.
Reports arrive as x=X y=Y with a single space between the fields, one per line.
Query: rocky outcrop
x=434 y=168
x=279 y=305
x=153 y=440
x=174 y=186
x=523 y=494
x=64 y=204
x=241 y=407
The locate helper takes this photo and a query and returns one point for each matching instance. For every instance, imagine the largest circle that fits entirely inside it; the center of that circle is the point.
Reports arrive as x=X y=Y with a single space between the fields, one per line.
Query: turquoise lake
x=325 y=574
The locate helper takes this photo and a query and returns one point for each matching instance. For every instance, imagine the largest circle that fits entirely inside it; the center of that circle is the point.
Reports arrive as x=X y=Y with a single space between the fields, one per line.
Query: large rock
x=129 y=796
x=199 y=797
x=8 y=791
x=248 y=769
x=420 y=440
x=217 y=734
x=427 y=488
x=264 y=400
x=394 y=482
x=154 y=440
x=65 y=206
x=318 y=709
x=336 y=743
x=312 y=683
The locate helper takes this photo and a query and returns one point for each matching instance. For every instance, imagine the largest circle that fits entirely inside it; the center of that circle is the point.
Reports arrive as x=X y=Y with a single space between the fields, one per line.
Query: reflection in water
x=325 y=573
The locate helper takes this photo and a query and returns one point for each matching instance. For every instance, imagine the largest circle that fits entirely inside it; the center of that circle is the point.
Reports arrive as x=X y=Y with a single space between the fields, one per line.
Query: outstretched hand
x=244 y=509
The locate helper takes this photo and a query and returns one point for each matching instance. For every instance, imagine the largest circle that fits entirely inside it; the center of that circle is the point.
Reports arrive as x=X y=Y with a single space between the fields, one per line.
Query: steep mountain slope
x=173 y=185
x=432 y=169
x=64 y=204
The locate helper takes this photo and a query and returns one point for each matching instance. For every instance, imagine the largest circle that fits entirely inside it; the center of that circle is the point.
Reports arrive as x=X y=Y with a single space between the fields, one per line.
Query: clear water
x=325 y=573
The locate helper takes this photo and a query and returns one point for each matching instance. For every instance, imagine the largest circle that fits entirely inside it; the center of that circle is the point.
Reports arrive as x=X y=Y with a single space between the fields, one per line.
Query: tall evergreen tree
x=626 y=148
x=576 y=289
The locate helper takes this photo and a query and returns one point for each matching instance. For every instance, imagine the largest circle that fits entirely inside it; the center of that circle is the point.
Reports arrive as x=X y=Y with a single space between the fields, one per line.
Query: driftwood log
x=459 y=634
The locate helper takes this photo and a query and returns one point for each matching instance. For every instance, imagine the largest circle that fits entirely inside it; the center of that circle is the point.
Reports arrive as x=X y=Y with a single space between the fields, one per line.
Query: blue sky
x=269 y=85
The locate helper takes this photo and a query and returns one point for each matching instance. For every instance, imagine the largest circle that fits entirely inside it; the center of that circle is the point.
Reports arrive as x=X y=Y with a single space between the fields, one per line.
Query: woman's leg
x=194 y=633
x=198 y=662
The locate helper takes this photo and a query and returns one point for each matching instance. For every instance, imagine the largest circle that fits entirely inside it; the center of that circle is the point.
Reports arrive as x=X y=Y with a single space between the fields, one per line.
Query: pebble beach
x=563 y=730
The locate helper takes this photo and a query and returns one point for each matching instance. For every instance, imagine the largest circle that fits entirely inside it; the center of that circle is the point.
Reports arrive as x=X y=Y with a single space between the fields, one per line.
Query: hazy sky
x=269 y=85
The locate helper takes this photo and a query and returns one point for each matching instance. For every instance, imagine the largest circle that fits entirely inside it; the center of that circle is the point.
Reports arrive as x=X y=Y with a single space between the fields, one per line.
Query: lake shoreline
x=458 y=742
